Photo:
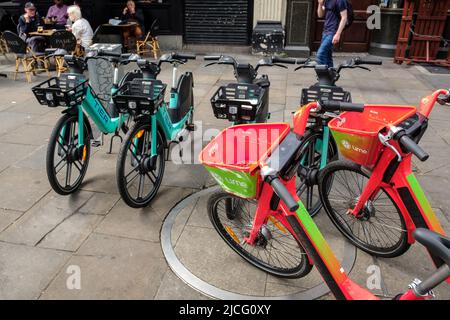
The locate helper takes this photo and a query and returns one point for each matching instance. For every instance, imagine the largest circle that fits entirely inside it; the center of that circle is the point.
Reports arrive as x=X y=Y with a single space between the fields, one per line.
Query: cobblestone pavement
x=43 y=236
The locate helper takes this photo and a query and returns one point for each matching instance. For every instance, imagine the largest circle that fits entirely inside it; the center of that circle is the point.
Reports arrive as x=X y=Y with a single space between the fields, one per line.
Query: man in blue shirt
x=336 y=16
x=30 y=22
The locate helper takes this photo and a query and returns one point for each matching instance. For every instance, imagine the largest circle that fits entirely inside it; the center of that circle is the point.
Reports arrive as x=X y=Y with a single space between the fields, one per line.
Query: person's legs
x=36 y=44
x=325 y=52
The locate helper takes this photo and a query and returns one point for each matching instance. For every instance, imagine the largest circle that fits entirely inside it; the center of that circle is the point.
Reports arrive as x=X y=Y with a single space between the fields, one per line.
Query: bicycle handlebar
x=411 y=146
x=360 y=61
x=212 y=58
x=184 y=56
x=283 y=193
x=284 y=60
x=330 y=105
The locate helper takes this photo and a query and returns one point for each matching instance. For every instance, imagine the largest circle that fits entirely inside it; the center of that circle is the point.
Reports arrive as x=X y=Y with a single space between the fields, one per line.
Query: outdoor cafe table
x=44 y=33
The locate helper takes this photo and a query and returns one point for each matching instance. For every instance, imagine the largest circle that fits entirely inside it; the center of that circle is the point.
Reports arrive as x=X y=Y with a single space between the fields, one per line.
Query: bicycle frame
x=162 y=118
x=398 y=180
x=319 y=251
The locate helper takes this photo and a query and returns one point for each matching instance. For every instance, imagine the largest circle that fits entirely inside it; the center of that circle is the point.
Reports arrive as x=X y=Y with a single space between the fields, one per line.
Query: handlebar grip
x=409 y=145
x=284 y=194
x=437 y=244
x=369 y=62
x=184 y=56
x=211 y=58
x=330 y=105
x=108 y=54
x=284 y=60
x=303 y=61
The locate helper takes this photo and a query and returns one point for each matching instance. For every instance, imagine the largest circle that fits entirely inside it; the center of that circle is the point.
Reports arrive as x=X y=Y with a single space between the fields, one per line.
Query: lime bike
x=69 y=148
x=158 y=124
x=256 y=165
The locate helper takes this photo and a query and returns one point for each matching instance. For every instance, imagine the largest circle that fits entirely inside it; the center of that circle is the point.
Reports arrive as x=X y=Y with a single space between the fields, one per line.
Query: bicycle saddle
x=149 y=69
x=437 y=244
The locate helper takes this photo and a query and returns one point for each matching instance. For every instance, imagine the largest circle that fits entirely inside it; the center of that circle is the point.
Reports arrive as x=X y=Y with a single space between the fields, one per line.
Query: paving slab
x=28 y=135
x=100 y=204
x=71 y=233
x=112 y=268
x=21 y=188
x=10 y=153
x=26 y=271
x=7 y=217
x=173 y=288
x=43 y=218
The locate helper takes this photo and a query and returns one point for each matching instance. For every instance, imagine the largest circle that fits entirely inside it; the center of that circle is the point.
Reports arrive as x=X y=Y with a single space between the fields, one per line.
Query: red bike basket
x=233 y=157
x=356 y=134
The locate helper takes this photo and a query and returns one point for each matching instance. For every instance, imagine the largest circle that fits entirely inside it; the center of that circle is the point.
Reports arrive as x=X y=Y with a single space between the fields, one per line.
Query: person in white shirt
x=81 y=28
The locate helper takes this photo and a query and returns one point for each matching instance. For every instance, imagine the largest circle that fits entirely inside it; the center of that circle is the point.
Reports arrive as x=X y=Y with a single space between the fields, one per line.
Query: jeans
x=37 y=44
x=325 y=52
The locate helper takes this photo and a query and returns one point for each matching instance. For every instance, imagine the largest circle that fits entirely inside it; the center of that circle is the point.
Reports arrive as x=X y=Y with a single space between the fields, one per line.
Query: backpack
x=350 y=13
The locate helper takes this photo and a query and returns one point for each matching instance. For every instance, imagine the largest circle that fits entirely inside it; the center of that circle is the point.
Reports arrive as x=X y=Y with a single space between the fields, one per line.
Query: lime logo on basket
x=347 y=145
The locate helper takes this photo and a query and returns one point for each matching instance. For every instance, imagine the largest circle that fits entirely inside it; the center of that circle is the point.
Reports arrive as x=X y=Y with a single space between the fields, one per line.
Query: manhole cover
x=200 y=258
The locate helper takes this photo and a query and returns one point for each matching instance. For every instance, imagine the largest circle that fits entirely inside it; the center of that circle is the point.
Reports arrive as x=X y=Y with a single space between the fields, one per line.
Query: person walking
x=335 y=13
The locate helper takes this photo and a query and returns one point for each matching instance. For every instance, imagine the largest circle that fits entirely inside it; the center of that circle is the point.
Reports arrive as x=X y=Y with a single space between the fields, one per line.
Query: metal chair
x=150 y=43
x=65 y=41
x=25 y=56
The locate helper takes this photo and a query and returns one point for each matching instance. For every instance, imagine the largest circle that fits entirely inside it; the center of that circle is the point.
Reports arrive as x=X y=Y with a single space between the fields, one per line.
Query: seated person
x=30 y=22
x=81 y=28
x=58 y=13
x=131 y=14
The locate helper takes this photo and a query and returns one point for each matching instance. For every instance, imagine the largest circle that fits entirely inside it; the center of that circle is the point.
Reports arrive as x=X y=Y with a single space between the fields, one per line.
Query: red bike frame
x=404 y=189
x=402 y=186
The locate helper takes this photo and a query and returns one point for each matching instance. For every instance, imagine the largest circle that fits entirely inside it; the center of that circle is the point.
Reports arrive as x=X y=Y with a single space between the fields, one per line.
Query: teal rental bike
x=158 y=125
x=69 y=147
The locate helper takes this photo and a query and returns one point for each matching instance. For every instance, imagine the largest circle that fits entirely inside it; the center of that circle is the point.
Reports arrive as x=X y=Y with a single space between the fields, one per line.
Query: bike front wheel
x=67 y=161
x=379 y=229
x=139 y=175
x=276 y=251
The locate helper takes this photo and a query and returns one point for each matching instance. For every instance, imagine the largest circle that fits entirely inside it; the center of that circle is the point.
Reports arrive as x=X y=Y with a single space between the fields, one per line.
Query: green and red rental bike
x=256 y=166
x=375 y=200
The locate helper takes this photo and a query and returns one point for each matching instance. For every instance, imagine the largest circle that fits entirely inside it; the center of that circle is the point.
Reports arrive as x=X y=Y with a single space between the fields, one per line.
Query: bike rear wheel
x=66 y=162
x=139 y=176
x=309 y=169
x=277 y=251
x=380 y=228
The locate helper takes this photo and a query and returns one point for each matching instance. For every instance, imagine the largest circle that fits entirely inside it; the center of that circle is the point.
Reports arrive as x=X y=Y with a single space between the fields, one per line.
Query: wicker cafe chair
x=25 y=56
x=66 y=42
x=150 y=43
x=3 y=45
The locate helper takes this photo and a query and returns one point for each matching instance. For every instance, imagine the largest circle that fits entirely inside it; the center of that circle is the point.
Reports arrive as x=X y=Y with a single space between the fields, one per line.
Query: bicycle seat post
x=116 y=75
x=174 y=75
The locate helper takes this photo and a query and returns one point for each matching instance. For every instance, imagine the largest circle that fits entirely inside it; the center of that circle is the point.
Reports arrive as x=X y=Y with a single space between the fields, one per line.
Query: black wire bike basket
x=140 y=96
x=318 y=93
x=238 y=102
x=69 y=90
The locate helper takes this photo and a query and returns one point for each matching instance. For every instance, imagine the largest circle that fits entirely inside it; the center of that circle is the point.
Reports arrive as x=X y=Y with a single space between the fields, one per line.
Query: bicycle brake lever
x=210 y=64
x=280 y=66
x=364 y=68
x=333 y=115
x=385 y=141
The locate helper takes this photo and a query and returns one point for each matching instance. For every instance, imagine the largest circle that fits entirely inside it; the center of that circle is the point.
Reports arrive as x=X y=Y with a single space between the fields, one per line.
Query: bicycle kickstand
x=116 y=135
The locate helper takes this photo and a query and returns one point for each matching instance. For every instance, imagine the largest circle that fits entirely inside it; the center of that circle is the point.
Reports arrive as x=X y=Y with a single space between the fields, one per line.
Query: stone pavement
x=117 y=249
